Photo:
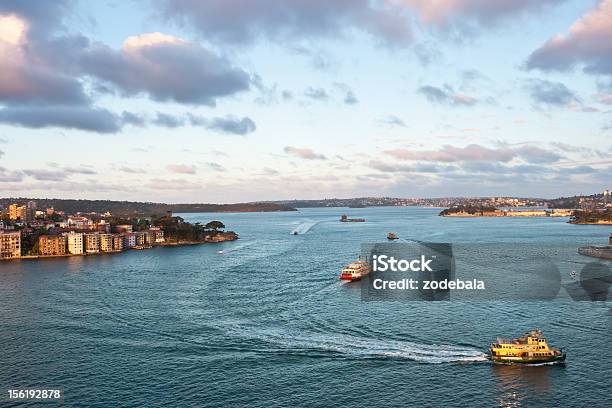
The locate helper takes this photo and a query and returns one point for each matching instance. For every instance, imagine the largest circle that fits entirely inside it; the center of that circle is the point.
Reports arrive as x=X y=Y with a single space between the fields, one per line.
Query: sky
x=223 y=101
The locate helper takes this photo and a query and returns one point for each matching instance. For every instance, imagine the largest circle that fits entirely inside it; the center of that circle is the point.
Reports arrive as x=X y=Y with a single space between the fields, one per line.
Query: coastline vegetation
x=591 y=217
x=468 y=209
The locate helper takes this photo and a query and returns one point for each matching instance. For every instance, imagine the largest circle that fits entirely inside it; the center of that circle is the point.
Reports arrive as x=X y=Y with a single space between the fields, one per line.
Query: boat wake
x=237 y=247
x=304 y=227
x=350 y=346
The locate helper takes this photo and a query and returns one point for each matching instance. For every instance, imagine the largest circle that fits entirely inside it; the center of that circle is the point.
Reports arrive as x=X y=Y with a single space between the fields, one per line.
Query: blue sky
x=243 y=100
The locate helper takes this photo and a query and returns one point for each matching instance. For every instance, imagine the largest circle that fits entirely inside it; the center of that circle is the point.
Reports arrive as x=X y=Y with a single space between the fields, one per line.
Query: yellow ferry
x=532 y=348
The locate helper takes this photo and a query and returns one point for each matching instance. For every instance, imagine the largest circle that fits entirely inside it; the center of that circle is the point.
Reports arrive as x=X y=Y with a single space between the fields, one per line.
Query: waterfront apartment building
x=117 y=242
x=75 y=243
x=10 y=244
x=158 y=234
x=106 y=243
x=52 y=245
x=129 y=240
x=141 y=238
x=92 y=242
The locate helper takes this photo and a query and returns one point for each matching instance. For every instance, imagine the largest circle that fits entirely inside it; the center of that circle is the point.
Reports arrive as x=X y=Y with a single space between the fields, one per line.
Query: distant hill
x=141 y=208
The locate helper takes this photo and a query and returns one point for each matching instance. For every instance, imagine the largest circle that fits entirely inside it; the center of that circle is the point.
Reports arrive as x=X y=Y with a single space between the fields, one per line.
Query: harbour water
x=266 y=323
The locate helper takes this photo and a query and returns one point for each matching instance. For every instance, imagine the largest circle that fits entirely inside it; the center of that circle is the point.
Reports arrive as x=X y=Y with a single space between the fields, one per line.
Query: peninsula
x=26 y=232
x=592 y=217
x=475 y=211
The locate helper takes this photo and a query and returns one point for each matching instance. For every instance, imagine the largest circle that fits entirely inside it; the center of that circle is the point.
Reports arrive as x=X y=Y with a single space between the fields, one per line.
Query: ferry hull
x=350 y=278
x=527 y=360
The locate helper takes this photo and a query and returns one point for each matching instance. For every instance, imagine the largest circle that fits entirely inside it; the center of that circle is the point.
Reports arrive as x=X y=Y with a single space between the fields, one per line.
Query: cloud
x=316 y=93
x=172 y=184
x=80 y=170
x=606 y=99
x=165 y=68
x=588 y=44
x=216 y=167
x=181 y=169
x=44 y=71
x=459 y=13
x=304 y=153
x=474 y=152
x=393 y=120
x=169 y=121
x=47 y=175
x=287 y=95
x=128 y=118
x=245 y=21
x=270 y=171
x=350 y=98
x=71 y=117
x=551 y=93
x=233 y=125
x=416 y=168
x=7 y=176
x=26 y=77
x=390 y=167
x=131 y=170
x=446 y=95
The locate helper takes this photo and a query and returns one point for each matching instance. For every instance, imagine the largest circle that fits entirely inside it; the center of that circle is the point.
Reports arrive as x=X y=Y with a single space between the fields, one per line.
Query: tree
x=215 y=226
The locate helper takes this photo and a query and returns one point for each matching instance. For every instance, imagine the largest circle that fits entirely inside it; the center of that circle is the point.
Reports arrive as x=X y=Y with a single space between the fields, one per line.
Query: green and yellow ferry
x=532 y=348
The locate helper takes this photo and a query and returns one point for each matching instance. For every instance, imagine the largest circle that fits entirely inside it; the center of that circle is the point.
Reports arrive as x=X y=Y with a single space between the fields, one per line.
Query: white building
x=75 y=243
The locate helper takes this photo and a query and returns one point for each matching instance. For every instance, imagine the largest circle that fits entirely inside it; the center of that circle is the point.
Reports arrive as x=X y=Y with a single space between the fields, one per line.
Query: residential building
x=117 y=242
x=102 y=226
x=10 y=244
x=52 y=245
x=158 y=234
x=75 y=243
x=92 y=242
x=129 y=240
x=149 y=237
x=31 y=211
x=106 y=242
x=18 y=212
x=80 y=222
x=141 y=238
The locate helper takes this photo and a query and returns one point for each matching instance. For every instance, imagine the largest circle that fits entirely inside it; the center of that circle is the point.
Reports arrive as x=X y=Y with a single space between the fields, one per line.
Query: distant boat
x=392 y=236
x=220 y=251
x=345 y=218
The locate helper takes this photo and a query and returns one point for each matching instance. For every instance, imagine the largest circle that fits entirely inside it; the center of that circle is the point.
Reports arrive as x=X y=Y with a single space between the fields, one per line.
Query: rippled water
x=266 y=323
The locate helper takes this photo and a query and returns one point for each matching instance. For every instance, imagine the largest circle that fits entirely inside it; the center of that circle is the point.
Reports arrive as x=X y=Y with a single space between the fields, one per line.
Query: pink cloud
x=181 y=169
x=588 y=42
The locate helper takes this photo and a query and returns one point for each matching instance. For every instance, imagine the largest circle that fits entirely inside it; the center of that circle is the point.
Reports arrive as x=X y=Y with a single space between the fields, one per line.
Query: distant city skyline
x=225 y=101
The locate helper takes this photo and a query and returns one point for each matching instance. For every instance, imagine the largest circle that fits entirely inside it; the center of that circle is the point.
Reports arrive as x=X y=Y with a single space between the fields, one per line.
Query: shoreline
x=592 y=223
x=135 y=248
